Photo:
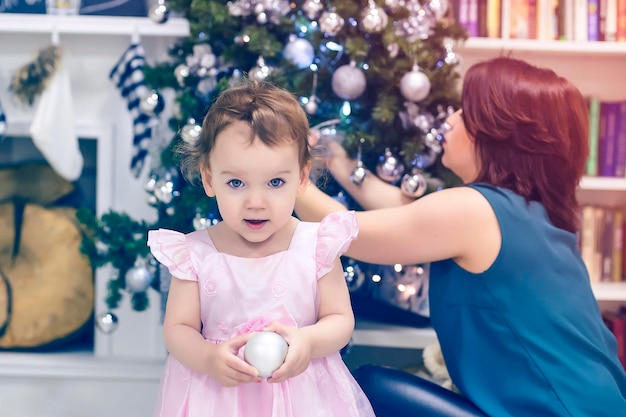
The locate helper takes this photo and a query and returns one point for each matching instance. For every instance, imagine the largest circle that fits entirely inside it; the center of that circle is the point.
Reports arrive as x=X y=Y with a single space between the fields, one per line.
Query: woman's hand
x=226 y=367
x=298 y=354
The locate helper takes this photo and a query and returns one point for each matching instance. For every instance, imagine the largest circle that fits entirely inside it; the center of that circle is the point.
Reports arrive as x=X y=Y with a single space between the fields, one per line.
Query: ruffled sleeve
x=336 y=232
x=170 y=249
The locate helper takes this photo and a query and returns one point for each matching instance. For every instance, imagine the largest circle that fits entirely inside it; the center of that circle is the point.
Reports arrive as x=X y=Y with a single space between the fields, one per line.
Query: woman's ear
x=207 y=181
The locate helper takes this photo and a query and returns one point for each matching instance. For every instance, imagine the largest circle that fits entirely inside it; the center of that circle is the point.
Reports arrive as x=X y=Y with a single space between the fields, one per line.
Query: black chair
x=395 y=393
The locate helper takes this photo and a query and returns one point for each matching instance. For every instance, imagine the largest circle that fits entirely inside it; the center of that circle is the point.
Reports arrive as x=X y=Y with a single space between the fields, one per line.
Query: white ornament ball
x=331 y=23
x=266 y=351
x=138 y=279
x=151 y=103
x=415 y=85
x=414 y=185
x=106 y=322
x=190 y=133
x=348 y=82
x=311 y=107
x=159 y=13
x=374 y=19
x=300 y=52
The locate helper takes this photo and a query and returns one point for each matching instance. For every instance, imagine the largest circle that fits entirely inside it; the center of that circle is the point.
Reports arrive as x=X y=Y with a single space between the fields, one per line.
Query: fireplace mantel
x=121 y=375
x=92 y=25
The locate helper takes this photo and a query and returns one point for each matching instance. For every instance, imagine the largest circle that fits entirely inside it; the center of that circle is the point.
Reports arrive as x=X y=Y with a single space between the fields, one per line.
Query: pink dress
x=239 y=295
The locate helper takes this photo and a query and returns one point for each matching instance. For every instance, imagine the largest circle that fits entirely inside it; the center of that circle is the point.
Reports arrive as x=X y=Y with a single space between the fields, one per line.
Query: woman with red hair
x=510 y=297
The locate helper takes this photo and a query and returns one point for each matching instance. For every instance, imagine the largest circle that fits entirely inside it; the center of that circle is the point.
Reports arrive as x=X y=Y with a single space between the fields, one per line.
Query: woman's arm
x=372 y=193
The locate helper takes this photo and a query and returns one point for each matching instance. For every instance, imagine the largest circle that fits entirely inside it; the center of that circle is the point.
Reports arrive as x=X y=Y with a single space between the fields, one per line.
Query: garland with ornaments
x=377 y=76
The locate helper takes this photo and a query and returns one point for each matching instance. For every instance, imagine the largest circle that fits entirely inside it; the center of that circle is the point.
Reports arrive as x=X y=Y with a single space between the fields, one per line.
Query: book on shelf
x=574 y=20
x=620 y=141
x=607 y=138
x=594 y=129
x=601 y=243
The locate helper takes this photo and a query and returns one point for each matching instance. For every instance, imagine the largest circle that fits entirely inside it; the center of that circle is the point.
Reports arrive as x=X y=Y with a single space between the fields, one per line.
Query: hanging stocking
x=129 y=79
x=54 y=131
x=3 y=123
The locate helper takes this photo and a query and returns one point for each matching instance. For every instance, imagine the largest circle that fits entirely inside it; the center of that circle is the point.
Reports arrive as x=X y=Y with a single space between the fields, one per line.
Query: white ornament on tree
x=261 y=71
x=299 y=51
x=414 y=185
x=389 y=168
x=348 y=81
x=373 y=19
x=415 y=85
x=160 y=12
x=106 y=322
x=190 y=133
x=138 y=278
x=331 y=22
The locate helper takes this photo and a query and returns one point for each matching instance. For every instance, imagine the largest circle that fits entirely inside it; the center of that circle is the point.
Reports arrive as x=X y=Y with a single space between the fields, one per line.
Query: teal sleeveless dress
x=526 y=337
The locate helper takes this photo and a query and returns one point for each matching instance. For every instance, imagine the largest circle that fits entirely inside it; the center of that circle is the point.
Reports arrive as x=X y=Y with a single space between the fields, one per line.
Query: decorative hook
x=55 y=35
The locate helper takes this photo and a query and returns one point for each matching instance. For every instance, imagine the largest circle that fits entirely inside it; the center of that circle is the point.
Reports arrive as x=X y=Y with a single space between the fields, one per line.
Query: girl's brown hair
x=274 y=115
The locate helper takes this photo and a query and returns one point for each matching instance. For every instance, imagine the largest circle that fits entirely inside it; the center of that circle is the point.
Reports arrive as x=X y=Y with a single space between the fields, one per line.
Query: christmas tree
x=377 y=76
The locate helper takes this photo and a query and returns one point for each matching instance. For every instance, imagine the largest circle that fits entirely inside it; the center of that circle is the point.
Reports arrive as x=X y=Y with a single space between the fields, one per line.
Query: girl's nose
x=255 y=199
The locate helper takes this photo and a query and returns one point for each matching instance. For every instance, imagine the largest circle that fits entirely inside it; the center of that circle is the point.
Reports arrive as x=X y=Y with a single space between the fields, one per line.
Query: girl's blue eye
x=276 y=182
x=235 y=183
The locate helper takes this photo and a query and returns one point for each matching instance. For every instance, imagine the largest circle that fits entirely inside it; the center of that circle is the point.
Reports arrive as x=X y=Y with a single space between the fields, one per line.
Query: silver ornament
x=299 y=51
x=348 y=81
x=424 y=121
x=160 y=12
x=433 y=140
x=190 y=133
x=312 y=8
x=138 y=278
x=150 y=184
x=389 y=169
x=331 y=22
x=373 y=19
x=354 y=276
x=152 y=103
x=164 y=191
x=200 y=223
x=106 y=322
x=414 y=185
x=181 y=72
x=394 y=5
x=359 y=173
x=261 y=71
x=311 y=106
x=425 y=159
x=415 y=85
x=439 y=8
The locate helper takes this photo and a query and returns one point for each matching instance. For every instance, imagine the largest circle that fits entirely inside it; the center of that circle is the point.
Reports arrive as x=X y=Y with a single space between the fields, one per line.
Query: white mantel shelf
x=77 y=365
x=92 y=25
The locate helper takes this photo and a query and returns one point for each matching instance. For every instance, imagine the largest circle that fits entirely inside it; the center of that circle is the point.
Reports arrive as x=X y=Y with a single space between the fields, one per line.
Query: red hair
x=530 y=128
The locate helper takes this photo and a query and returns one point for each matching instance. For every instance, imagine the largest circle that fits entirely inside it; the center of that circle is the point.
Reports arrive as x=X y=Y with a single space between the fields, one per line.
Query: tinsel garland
x=30 y=80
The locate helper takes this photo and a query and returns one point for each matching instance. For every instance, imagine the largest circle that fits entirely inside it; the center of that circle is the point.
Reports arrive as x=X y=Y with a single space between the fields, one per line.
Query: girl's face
x=255 y=185
x=458 y=149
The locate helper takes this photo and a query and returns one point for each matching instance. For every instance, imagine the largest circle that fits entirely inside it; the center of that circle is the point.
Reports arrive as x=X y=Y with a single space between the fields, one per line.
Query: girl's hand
x=298 y=354
x=229 y=369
